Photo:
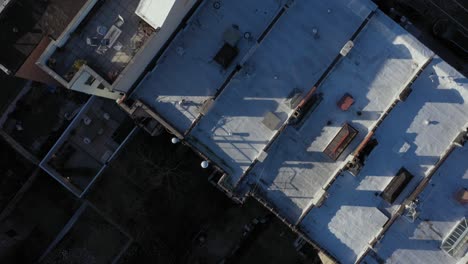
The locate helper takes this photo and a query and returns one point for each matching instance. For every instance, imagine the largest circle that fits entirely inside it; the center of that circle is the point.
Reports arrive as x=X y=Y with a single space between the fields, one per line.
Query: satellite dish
x=205 y=164
x=175 y=140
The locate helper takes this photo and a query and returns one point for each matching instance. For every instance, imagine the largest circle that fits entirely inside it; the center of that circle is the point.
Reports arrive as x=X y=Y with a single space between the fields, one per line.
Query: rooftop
x=422 y=125
x=388 y=87
x=420 y=241
x=114 y=21
x=187 y=74
x=296 y=169
x=234 y=129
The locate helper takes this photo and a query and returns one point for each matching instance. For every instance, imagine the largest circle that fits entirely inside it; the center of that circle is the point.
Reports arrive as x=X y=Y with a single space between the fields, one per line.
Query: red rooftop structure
x=345 y=102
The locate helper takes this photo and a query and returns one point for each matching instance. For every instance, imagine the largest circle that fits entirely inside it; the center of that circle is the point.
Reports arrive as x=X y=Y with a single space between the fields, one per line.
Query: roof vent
x=271 y=121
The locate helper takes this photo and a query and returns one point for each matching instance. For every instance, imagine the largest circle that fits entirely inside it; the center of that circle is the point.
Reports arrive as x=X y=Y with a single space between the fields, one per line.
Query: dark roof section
x=24 y=23
x=397 y=185
x=226 y=55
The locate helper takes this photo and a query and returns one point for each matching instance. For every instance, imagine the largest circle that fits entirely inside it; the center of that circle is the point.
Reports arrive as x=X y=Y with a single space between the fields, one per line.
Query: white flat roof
x=154 y=12
x=3 y=4
x=419 y=130
x=420 y=242
x=439 y=96
x=232 y=133
x=384 y=60
x=381 y=64
x=187 y=71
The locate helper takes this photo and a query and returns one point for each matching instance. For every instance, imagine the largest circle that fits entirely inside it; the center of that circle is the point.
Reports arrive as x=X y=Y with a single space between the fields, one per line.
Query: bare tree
x=160 y=171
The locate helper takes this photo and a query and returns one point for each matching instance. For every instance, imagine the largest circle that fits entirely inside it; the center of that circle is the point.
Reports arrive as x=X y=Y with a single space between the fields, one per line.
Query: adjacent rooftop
x=297 y=170
x=438 y=213
x=415 y=136
x=106 y=40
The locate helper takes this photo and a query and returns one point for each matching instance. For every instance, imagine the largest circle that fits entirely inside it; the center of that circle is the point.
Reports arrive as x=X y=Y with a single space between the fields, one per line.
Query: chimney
x=462 y=196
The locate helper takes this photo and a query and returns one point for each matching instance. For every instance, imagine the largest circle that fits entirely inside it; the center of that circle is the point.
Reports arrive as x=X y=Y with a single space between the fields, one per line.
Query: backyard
x=158 y=192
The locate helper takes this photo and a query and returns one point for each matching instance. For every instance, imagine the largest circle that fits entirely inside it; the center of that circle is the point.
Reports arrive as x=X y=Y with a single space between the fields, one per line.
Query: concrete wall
x=78 y=83
x=42 y=63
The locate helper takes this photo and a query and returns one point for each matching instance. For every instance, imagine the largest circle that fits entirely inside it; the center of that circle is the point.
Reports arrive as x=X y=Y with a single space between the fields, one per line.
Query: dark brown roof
x=58 y=14
x=24 y=23
x=30 y=71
